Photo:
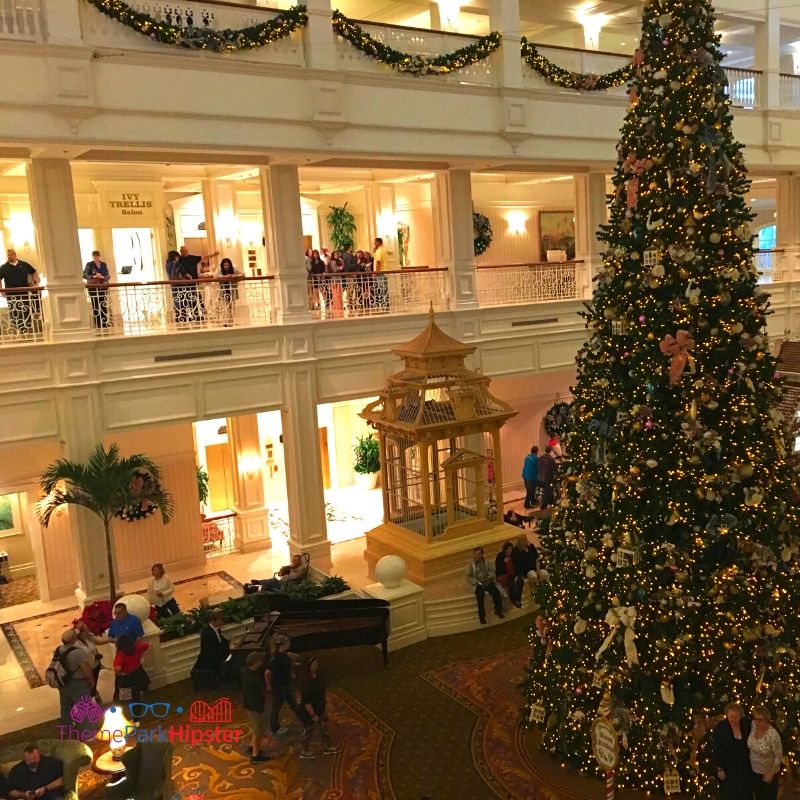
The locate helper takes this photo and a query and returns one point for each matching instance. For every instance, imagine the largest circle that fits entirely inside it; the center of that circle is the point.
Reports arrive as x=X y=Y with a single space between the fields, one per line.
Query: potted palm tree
x=367 y=463
x=108 y=486
x=341 y=227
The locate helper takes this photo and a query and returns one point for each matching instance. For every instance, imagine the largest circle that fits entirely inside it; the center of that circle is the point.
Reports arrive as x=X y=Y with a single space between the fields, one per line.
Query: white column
x=768 y=55
x=440 y=211
x=383 y=204
x=319 y=39
x=64 y=22
x=304 y=487
x=283 y=224
x=590 y=214
x=223 y=210
x=252 y=520
x=56 y=224
x=504 y=17
x=462 y=273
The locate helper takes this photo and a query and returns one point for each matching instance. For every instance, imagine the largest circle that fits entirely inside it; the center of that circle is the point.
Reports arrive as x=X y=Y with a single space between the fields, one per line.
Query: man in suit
x=215 y=649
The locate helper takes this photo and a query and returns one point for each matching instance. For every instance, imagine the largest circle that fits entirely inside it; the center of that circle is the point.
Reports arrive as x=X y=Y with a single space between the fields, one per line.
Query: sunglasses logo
x=139 y=710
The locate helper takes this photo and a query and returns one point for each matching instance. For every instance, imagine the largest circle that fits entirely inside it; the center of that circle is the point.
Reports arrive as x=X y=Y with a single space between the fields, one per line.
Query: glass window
x=767 y=237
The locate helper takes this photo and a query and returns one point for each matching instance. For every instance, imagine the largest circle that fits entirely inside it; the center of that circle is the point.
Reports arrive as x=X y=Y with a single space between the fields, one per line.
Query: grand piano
x=315 y=625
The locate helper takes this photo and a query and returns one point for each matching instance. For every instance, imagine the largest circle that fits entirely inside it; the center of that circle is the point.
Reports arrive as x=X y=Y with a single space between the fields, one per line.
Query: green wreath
x=191 y=37
x=580 y=82
x=556 y=419
x=481 y=232
x=413 y=63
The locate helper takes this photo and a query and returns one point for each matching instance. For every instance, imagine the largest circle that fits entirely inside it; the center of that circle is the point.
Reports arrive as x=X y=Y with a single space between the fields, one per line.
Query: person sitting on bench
x=291 y=573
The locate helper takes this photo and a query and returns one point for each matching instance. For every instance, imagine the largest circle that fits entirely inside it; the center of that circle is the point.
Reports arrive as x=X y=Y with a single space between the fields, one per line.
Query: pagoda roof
x=433 y=342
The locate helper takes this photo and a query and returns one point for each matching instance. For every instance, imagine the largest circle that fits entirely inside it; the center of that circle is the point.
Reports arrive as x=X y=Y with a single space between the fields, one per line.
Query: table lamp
x=115 y=730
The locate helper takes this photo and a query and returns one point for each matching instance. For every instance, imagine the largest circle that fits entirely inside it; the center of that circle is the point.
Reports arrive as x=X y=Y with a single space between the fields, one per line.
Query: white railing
x=370 y=294
x=132 y=309
x=23 y=20
x=744 y=86
x=102 y=31
x=219 y=534
x=22 y=315
x=515 y=284
x=770 y=265
x=790 y=90
x=591 y=62
x=419 y=41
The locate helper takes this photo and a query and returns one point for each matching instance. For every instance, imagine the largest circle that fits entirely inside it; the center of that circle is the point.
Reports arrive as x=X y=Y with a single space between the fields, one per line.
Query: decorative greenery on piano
x=239 y=609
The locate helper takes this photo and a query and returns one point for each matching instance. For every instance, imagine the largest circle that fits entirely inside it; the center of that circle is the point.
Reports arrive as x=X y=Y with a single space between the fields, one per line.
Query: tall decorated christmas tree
x=673 y=551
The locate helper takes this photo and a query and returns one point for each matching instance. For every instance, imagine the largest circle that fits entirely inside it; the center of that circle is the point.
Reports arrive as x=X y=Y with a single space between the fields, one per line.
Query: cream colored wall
x=531 y=396
x=347 y=427
x=413 y=207
x=180 y=543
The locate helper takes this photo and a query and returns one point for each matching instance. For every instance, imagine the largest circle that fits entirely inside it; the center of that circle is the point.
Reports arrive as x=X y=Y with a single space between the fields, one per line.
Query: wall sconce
x=517 y=222
x=251 y=233
x=249 y=466
x=449 y=11
x=228 y=228
x=20 y=228
x=387 y=226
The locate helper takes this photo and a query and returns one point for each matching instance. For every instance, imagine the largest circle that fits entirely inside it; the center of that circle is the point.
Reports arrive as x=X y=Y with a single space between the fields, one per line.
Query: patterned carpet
x=18 y=591
x=32 y=639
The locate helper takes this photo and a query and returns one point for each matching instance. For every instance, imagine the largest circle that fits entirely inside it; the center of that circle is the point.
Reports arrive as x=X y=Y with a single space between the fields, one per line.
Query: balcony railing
x=219 y=534
x=516 y=284
x=373 y=294
x=420 y=41
x=744 y=87
x=770 y=265
x=594 y=62
x=131 y=309
x=102 y=31
x=790 y=91
x=22 y=315
x=23 y=20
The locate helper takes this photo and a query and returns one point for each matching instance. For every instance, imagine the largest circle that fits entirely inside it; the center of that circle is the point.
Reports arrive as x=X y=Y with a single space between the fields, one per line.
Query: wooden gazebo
x=439 y=431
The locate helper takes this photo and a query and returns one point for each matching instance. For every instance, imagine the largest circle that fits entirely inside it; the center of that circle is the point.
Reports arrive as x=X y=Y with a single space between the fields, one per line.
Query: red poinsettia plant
x=98 y=616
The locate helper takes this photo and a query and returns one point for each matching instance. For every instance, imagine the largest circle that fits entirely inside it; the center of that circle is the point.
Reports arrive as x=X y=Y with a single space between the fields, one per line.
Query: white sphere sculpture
x=137 y=605
x=390 y=571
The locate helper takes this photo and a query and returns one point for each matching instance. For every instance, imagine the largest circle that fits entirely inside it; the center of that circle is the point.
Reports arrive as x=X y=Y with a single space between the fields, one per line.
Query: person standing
x=228 y=277
x=132 y=679
x=380 y=283
x=480 y=577
x=254 y=700
x=97 y=277
x=24 y=307
x=547 y=471
x=766 y=754
x=124 y=624
x=731 y=757
x=530 y=475
x=215 y=649
x=161 y=593
x=86 y=639
x=315 y=704
x=195 y=308
x=79 y=678
x=278 y=679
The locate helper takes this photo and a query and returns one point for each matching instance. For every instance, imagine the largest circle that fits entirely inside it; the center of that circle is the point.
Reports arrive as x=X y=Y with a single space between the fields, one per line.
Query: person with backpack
x=70 y=671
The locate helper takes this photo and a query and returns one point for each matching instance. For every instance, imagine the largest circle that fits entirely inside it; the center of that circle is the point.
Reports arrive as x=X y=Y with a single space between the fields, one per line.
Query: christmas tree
x=674 y=546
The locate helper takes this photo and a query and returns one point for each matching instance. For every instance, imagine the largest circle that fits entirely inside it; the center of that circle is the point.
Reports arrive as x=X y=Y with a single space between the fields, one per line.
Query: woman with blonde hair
x=766 y=753
x=161 y=592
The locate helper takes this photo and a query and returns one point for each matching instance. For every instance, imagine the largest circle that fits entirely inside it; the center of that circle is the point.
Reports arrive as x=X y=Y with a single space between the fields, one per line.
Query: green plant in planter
x=341 y=227
x=202 y=485
x=367 y=455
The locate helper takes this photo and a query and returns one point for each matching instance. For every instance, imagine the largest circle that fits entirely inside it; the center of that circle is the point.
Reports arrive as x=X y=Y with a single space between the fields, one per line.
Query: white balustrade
x=23 y=20
x=516 y=284
x=770 y=265
x=102 y=31
x=370 y=294
x=417 y=41
x=743 y=86
x=131 y=309
x=790 y=91
x=584 y=62
x=23 y=317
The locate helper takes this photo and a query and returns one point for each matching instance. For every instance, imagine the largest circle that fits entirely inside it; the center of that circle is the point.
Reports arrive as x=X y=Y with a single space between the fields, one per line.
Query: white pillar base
x=407 y=612
x=155 y=661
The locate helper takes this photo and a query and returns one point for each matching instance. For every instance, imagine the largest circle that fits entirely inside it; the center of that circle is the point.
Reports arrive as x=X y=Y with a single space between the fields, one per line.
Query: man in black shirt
x=278 y=677
x=24 y=308
x=194 y=307
x=254 y=700
x=37 y=776
x=314 y=702
x=97 y=276
x=212 y=661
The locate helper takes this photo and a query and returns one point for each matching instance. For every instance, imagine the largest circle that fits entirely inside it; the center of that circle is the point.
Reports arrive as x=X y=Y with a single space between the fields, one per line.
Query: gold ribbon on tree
x=621 y=617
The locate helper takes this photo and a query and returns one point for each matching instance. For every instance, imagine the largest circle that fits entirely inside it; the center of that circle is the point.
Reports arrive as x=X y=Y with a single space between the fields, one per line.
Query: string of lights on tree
x=482 y=233
x=414 y=63
x=673 y=552
x=582 y=82
x=193 y=37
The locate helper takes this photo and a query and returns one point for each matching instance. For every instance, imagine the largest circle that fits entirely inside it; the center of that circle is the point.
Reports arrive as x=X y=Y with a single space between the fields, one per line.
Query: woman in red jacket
x=132 y=679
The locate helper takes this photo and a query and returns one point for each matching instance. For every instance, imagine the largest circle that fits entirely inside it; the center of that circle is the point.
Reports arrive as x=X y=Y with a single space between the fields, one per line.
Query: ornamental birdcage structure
x=439 y=431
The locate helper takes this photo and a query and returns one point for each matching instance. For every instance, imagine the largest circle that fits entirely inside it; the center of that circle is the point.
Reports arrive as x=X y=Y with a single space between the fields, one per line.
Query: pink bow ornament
x=677 y=348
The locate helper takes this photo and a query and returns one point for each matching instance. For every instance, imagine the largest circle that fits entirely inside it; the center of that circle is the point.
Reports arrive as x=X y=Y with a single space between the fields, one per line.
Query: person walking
x=315 y=704
x=766 y=754
x=547 y=471
x=254 y=700
x=530 y=476
x=731 y=757
x=480 y=577
x=278 y=678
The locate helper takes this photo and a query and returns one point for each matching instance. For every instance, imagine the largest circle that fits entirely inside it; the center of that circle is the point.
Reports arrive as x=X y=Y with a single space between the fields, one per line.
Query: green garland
x=414 y=63
x=573 y=80
x=481 y=232
x=193 y=38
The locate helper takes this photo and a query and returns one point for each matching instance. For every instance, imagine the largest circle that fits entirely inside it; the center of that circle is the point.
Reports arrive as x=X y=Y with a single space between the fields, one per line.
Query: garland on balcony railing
x=227 y=40
x=414 y=63
x=581 y=82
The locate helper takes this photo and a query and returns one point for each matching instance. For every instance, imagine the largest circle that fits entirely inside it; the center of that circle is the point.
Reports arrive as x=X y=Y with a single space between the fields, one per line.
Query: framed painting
x=557 y=232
